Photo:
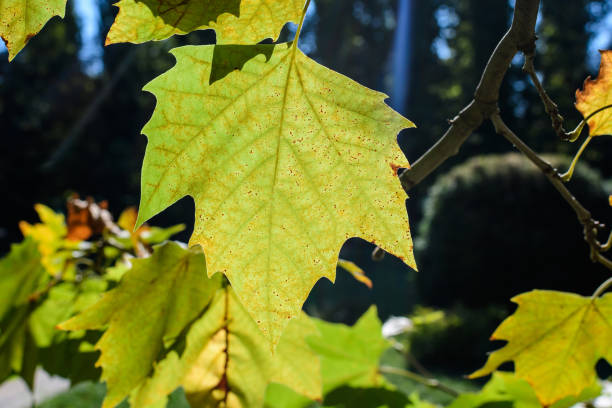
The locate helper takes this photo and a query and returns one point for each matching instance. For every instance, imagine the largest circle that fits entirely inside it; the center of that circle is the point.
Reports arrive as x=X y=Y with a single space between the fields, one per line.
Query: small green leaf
x=235 y=21
x=350 y=356
x=20 y=20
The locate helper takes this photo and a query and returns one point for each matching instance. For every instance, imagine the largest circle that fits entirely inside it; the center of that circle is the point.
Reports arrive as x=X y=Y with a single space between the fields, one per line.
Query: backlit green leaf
x=20 y=20
x=153 y=303
x=285 y=160
x=350 y=355
x=235 y=21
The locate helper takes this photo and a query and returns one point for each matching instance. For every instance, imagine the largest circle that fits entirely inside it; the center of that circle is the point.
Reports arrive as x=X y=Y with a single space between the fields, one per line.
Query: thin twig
x=520 y=37
x=590 y=225
x=429 y=382
x=551 y=107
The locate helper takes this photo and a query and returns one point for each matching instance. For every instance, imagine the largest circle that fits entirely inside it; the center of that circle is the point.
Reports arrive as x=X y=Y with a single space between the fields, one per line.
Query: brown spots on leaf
x=395 y=168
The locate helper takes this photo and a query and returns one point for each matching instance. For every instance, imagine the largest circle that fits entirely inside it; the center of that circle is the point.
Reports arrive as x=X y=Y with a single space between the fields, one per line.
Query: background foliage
x=64 y=146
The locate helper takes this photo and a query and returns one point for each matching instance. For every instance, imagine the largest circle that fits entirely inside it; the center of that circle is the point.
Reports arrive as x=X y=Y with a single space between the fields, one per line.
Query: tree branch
x=520 y=37
x=590 y=225
x=551 y=107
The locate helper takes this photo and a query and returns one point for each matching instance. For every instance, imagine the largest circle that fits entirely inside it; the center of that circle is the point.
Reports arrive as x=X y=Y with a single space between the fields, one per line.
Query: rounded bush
x=494 y=227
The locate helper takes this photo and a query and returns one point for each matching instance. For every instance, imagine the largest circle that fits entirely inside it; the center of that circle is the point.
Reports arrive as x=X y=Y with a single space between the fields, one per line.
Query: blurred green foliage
x=55 y=143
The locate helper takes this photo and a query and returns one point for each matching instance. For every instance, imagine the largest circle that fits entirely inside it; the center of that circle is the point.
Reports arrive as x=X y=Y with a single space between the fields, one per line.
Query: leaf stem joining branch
x=429 y=382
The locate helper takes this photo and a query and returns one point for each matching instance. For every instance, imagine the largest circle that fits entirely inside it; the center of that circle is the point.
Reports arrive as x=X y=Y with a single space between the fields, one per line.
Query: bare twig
x=590 y=225
x=519 y=37
x=551 y=108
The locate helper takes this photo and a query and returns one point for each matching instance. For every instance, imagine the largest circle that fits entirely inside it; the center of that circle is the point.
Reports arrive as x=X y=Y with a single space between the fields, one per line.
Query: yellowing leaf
x=235 y=21
x=597 y=94
x=555 y=339
x=355 y=271
x=228 y=362
x=153 y=303
x=285 y=160
x=127 y=219
x=50 y=235
x=20 y=20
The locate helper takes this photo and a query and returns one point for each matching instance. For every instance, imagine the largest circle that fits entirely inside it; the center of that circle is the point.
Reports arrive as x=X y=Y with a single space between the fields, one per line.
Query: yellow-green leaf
x=285 y=160
x=595 y=95
x=235 y=21
x=21 y=20
x=153 y=303
x=555 y=339
x=227 y=361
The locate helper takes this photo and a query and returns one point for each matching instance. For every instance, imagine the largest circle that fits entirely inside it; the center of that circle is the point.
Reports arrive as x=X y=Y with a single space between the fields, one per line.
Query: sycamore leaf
x=555 y=339
x=235 y=21
x=226 y=359
x=153 y=303
x=517 y=393
x=285 y=160
x=597 y=94
x=21 y=20
x=350 y=355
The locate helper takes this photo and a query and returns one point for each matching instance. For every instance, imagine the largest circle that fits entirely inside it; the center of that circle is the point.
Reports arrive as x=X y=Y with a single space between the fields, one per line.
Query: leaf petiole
x=299 y=29
x=568 y=175
x=602 y=288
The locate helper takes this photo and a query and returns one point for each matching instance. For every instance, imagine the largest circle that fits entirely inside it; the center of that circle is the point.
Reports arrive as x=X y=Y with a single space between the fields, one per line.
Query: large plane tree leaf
x=595 y=95
x=350 y=356
x=285 y=160
x=235 y=21
x=21 y=20
x=555 y=339
x=153 y=303
x=227 y=361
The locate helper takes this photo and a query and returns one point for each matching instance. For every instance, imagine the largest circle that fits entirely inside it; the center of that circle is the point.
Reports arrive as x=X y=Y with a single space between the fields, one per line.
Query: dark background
x=486 y=225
